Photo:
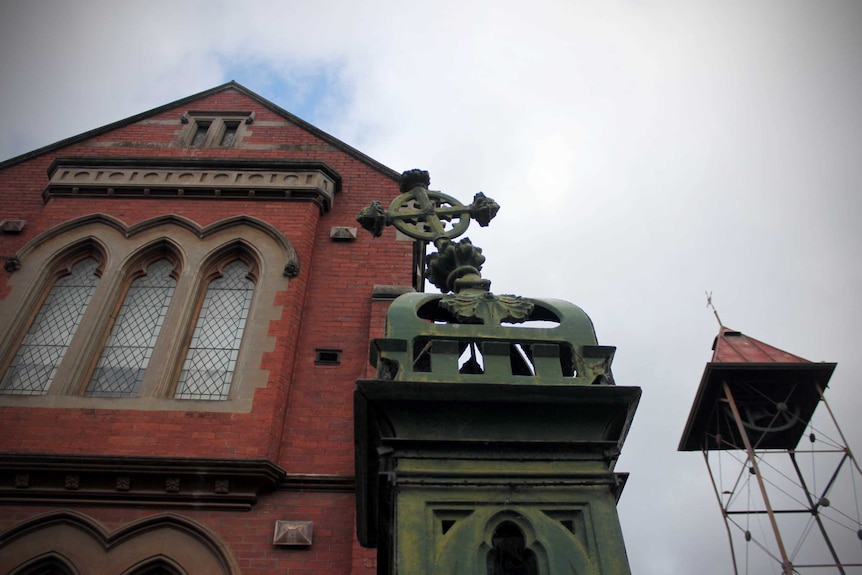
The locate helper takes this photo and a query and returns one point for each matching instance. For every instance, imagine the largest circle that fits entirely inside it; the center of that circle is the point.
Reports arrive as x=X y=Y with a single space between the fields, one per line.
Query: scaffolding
x=786 y=481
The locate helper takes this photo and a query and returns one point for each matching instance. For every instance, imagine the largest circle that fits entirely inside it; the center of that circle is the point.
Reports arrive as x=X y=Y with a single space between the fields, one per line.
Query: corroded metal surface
x=425 y=340
x=777 y=392
x=424 y=214
x=492 y=417
x=431 y=216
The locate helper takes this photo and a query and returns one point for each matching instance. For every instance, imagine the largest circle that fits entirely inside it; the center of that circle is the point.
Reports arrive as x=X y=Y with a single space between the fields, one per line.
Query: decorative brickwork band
x=192 y=182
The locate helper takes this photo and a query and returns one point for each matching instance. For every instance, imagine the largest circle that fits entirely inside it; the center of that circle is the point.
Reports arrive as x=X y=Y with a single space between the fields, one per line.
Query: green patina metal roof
x=476 y=336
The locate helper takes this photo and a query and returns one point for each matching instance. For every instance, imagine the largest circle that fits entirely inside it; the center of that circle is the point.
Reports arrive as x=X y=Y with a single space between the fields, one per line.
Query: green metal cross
x=419 y=212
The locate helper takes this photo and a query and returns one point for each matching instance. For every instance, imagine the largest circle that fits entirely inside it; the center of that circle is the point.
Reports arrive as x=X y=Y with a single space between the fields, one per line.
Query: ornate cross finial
x=433 y=216
x=420 y=213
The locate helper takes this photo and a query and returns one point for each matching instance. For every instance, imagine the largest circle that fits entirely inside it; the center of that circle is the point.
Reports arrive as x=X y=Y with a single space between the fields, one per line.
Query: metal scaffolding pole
x=814 y=509
x=786 y=565
x=723 y=511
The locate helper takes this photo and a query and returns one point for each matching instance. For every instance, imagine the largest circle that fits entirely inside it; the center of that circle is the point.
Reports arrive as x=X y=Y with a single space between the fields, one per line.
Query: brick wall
x=248 y=536
x=302 y=419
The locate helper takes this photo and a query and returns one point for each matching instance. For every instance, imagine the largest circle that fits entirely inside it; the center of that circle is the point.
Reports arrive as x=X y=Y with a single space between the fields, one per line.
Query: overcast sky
x=642 y=152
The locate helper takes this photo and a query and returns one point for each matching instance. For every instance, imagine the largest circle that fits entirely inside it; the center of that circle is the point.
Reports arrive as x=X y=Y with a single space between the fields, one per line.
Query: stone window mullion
x=209 y=129
x=214 y=133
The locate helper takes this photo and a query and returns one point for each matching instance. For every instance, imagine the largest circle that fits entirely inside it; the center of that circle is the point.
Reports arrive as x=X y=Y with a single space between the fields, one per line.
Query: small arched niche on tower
x=509 y=554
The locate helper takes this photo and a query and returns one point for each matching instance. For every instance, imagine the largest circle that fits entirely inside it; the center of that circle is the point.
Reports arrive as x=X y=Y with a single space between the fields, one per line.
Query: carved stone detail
x=188 y=182
x=172 y=484
x=293 y=533
x=221 y=486
x=13 y=264
x=343 y=233
x=72 y=482
x=12 y=226
x=123 y=483
x=22 y=480
x=291 y=268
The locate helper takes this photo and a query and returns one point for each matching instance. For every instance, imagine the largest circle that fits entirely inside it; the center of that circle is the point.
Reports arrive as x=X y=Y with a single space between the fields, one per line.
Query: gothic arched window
x=211 y=359
x=32 y=369
x=509 y=554
x=127 y=352
x=159 y=567
x=110 y=311
x=47 y=566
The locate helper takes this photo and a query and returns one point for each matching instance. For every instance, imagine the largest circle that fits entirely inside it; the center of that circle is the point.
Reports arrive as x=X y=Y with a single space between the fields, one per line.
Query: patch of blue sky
x=314 y=92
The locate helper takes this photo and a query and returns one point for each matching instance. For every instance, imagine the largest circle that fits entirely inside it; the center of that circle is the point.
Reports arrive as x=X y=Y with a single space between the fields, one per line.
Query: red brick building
x=185 y=308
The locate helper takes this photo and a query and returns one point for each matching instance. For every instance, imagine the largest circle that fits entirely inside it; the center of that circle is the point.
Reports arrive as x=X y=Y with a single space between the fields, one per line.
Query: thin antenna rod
x=709 y=304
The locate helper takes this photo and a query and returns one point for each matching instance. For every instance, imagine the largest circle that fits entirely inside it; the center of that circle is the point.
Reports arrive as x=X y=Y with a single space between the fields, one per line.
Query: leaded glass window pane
x=211 y=359
x=127 y=352
x=45 y=344
x=229 y=136
x=200 y=135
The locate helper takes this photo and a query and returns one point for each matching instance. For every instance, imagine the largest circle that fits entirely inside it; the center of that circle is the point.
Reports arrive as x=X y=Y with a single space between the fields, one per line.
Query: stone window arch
x=509 y=554
x=69 y=285
x=72 y=543
x=199 y=254
x=52 y=564
x=157 y=566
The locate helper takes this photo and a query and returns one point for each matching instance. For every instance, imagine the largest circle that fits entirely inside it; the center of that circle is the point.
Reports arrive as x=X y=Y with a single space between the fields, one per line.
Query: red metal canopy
x=731 y=346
